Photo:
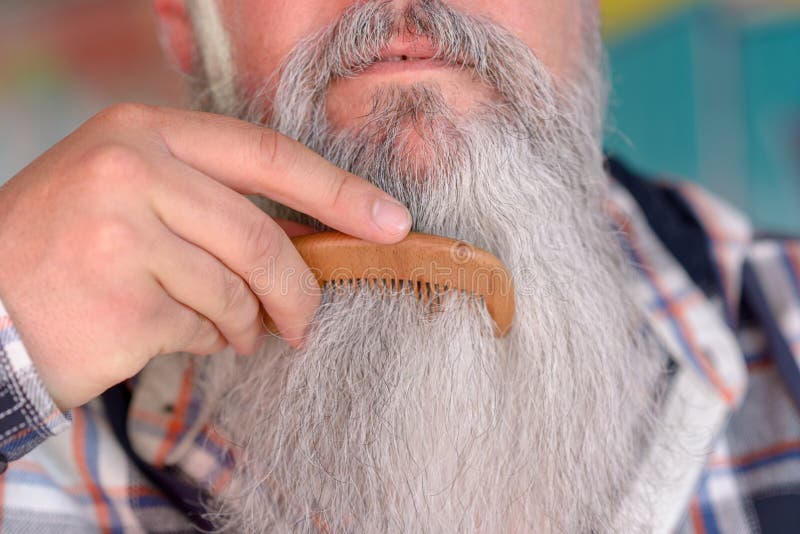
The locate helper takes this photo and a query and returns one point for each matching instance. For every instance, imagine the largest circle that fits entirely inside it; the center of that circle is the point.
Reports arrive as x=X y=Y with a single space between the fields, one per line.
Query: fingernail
x=391 y=217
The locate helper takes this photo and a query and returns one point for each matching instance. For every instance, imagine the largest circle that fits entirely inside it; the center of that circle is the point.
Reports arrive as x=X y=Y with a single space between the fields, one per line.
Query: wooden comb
x=426 y=264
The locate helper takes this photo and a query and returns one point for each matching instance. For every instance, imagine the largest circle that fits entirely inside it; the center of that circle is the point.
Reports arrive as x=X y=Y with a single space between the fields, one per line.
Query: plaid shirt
x=724 y=303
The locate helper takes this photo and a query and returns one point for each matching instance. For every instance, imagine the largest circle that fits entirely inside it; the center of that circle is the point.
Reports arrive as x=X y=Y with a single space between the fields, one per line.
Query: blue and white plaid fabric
x=28 y=414
x=724 y=304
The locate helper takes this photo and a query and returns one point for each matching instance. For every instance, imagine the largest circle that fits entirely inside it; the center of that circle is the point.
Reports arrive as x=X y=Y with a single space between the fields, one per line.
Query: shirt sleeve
x=28 y=414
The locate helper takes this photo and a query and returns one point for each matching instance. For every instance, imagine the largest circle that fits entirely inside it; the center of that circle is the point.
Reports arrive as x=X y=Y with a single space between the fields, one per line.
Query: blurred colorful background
x=702 y=90
x=710 y=91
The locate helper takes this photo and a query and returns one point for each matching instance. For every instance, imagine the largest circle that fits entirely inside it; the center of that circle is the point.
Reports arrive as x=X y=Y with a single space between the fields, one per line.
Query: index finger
x=255 y=160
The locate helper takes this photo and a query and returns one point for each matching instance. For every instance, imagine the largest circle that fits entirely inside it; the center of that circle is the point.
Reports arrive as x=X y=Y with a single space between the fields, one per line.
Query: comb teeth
x=430 y=295
x=421 y=289
x=422 y=265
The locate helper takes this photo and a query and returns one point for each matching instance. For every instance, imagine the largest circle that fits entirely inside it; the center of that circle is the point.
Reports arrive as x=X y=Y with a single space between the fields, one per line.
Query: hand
x=131 y=239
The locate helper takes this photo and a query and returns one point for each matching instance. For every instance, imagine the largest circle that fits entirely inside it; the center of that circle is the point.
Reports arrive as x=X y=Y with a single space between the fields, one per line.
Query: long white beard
x=393 y=419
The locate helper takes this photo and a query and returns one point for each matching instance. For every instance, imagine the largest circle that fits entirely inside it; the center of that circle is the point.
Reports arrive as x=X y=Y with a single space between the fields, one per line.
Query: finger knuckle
x=111 y=165
x=110 y=239
x=275 y=152
x=126 y=114
x=235 y=296
x=337 y=188
x=262 y=242
x=269 y=148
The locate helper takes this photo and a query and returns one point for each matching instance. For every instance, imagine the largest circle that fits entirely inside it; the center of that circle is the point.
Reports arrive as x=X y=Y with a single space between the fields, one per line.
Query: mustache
x=357 y=39
x=375 y=24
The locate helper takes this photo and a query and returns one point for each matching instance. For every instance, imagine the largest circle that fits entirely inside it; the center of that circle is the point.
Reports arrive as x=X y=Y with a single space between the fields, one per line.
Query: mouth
x=408 y=56
x=398 y=64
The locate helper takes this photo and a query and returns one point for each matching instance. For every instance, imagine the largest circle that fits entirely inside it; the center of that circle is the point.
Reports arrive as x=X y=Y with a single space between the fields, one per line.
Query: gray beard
x=393 y=419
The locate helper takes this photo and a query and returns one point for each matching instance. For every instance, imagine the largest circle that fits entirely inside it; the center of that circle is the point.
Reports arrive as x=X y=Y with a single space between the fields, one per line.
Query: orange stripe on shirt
x=676 y=310
x=177 y=423
x=149 y=418
x=697 y=517
x=693 y=298
x=79 y=446
x=27 y=465
x=752 y=457
x=25 y=431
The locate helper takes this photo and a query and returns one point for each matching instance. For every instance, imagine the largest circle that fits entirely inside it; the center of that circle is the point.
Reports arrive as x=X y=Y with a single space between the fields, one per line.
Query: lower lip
x=390 y=67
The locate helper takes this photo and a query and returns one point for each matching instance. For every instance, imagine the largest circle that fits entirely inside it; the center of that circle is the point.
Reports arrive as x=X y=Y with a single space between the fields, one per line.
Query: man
x=619 y=402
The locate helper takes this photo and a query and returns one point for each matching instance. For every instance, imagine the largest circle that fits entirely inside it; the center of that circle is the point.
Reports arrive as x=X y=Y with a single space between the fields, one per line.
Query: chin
x=352 y=100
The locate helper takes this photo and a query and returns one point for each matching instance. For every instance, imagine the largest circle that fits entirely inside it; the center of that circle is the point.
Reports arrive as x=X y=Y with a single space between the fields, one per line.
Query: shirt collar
x=710 y=377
